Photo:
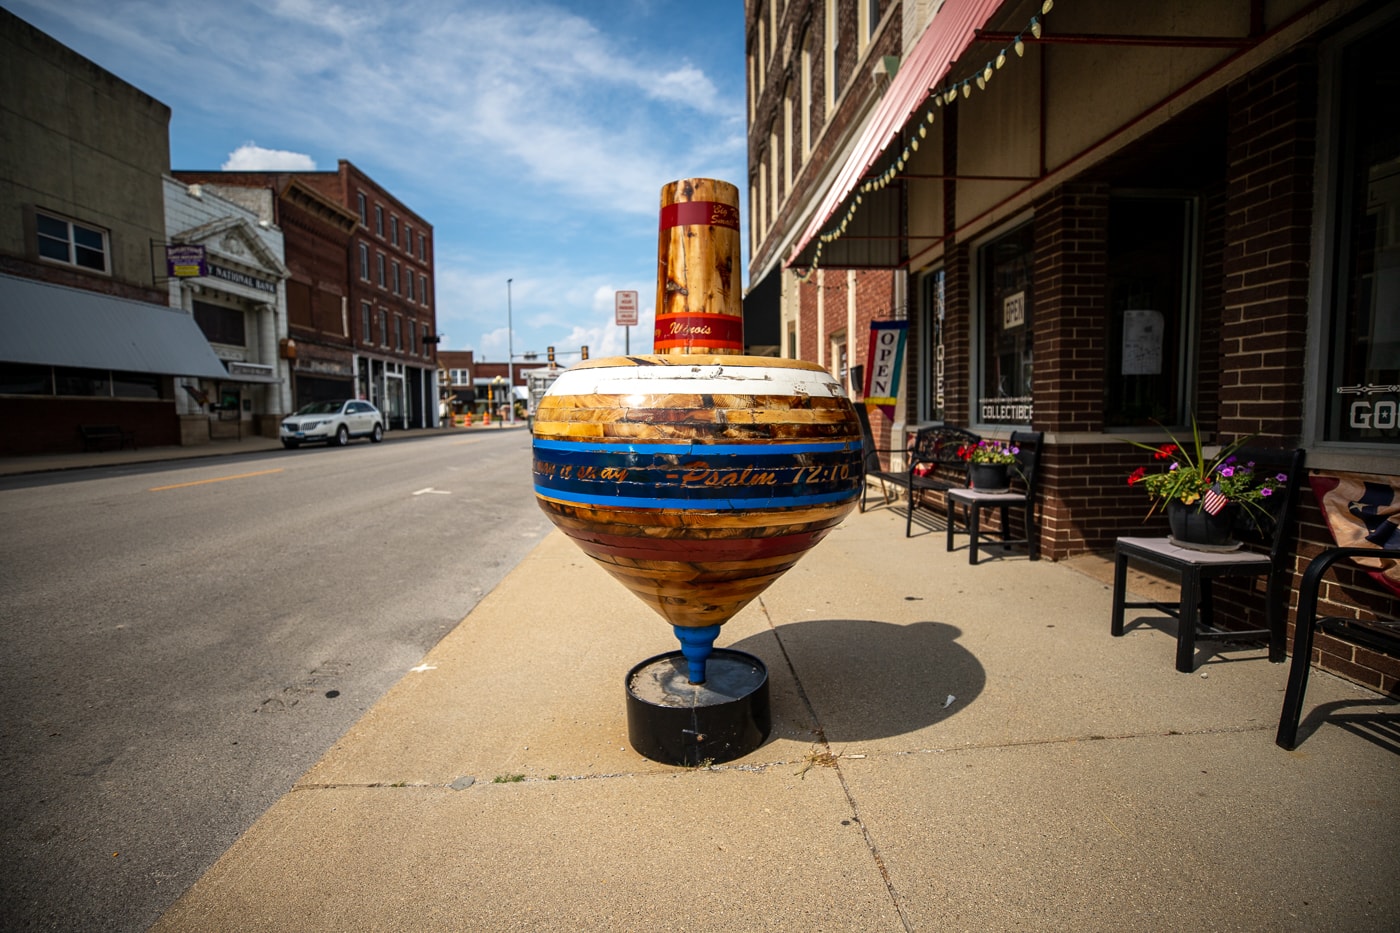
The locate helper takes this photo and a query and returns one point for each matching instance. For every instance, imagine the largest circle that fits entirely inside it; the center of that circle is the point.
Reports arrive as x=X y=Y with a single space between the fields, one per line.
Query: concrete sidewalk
x=953 y=748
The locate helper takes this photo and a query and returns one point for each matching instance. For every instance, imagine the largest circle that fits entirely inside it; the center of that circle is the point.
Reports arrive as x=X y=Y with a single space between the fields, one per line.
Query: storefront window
x=23 y=379
x=221 y=324
x=1151 y=258
x=89 y=382
x=136 y=385
x=932 y=311
x=1006 y=266
x=1361 y=392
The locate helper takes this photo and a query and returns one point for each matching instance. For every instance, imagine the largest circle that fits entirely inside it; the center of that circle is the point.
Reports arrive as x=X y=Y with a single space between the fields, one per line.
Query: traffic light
x=551 y=354
x=585 y=352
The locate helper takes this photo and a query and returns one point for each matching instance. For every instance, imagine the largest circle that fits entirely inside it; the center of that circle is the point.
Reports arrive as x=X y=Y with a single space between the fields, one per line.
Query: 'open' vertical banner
x=884 y=363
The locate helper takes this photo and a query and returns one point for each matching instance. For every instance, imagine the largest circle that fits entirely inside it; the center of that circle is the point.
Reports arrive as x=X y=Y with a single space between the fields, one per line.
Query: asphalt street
x=179 y=642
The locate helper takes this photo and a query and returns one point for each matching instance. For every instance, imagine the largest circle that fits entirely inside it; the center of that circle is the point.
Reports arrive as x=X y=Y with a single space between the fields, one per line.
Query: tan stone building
x=87 y=337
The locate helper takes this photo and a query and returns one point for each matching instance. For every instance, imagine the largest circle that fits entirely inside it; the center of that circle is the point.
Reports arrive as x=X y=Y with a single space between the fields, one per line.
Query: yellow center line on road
x=217 y=479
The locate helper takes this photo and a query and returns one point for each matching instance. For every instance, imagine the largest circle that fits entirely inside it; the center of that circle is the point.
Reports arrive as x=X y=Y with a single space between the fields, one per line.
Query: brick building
x=361 y=294
x=87 y=337
x=1095 y=219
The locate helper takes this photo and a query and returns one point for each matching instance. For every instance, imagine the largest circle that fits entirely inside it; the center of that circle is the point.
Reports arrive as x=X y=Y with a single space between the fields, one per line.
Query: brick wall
x=1071 y=237
x=829 y=128
x=1268 y=239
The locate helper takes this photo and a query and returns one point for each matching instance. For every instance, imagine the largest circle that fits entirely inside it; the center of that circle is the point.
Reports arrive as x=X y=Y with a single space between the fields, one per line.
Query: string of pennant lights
x=945 y=96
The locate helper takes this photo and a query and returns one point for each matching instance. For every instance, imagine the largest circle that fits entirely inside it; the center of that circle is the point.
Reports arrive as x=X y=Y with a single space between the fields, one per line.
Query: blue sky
x=534 y=136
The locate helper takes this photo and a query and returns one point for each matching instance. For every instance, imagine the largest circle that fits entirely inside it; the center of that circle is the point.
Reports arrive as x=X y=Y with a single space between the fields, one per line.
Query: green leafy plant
x=989 y=451
x=1189 y=477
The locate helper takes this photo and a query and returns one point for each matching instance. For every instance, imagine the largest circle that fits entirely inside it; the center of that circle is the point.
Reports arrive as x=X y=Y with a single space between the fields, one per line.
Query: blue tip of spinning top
x=696 y=645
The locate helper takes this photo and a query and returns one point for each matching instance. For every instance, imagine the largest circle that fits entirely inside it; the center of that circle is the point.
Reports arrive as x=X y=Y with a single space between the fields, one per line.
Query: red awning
x=946 y=38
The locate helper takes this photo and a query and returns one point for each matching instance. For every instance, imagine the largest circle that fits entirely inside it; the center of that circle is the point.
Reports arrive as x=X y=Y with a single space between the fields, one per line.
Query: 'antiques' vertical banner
x=883 y=364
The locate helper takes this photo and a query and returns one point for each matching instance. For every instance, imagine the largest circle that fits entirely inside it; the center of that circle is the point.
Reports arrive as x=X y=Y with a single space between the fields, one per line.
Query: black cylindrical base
x=676 y=722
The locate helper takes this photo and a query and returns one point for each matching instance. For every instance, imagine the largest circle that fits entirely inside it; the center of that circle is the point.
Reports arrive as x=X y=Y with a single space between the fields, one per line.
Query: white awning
x=51 y=325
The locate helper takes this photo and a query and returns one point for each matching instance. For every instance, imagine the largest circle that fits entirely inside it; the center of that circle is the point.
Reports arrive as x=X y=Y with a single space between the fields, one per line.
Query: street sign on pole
x=626 y=306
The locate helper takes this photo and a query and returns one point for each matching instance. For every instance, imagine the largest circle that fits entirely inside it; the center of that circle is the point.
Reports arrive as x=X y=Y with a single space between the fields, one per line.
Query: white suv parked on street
x=332 y=422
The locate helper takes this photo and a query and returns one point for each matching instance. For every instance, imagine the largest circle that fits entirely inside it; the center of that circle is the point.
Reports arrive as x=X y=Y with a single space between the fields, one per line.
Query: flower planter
x=990 y=477
x=1194 y=527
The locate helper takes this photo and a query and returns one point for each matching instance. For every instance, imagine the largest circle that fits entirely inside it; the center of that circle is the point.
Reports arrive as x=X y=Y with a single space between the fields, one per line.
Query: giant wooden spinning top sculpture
x=697 y=476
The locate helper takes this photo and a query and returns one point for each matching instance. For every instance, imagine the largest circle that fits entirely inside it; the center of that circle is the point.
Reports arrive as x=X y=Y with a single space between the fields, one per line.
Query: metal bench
x=100 y=436
x=1380 y=635
x=936 y=464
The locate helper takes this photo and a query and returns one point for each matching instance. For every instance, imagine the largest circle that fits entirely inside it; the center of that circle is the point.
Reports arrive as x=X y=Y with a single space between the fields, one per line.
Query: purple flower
x=1266 y=491
x=1227 y=471
x=1282 y=477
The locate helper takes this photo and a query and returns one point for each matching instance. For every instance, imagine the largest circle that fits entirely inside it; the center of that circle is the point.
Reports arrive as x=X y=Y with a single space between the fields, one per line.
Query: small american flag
x=1214 y=500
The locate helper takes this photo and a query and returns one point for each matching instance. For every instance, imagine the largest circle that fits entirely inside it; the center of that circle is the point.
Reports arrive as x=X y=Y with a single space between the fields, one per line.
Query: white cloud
x=534 y=136
x=250 y=157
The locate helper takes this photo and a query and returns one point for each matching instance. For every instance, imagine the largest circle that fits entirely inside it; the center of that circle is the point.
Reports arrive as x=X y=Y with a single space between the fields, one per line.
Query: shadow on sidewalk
x=865 y=679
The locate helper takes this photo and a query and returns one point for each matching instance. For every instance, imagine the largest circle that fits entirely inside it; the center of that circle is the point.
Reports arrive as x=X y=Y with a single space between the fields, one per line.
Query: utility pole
x=510 y=359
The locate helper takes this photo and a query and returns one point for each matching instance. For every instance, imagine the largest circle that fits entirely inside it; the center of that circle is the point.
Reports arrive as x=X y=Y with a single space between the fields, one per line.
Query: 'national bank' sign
x=242 y=278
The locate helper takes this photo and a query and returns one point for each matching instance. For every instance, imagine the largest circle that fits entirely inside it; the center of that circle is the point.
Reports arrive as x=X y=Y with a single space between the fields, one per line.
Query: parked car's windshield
x=320 y=408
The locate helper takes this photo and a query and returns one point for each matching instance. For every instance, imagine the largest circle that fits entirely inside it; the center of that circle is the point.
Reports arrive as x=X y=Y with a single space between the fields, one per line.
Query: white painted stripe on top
x=710 y=378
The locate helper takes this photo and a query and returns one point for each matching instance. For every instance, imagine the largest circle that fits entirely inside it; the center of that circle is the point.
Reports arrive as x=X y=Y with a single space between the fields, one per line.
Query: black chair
x=870 y=461
x=1021 y=497
x=935 y=464
x=1266 y=551
x=1382 y=635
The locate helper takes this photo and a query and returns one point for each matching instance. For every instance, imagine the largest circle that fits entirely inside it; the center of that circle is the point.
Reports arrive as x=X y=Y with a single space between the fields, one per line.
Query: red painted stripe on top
x=698 y=330
x=640 y=547
x=690 y=213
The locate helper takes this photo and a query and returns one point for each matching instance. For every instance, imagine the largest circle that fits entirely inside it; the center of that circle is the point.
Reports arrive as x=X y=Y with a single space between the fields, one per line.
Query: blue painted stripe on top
x=714 y=505
x=594 y=446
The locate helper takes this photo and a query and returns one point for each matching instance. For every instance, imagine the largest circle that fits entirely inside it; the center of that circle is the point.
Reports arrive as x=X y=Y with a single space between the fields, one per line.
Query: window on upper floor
x=833 y=51
x=378 y=220
x=423 y=289
x=776 y=169
x=396 y=277
x=788 y=154
x=221 y=324
x=804 y=101
x=364 y=261
x=869 y=19
x=398 y=332
x=394 y=229
x=379 y=261
x=366 y=313
x=364 y=208
x=71 y=243
x=753 y=86
x=408 y=284
x=422 y=247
